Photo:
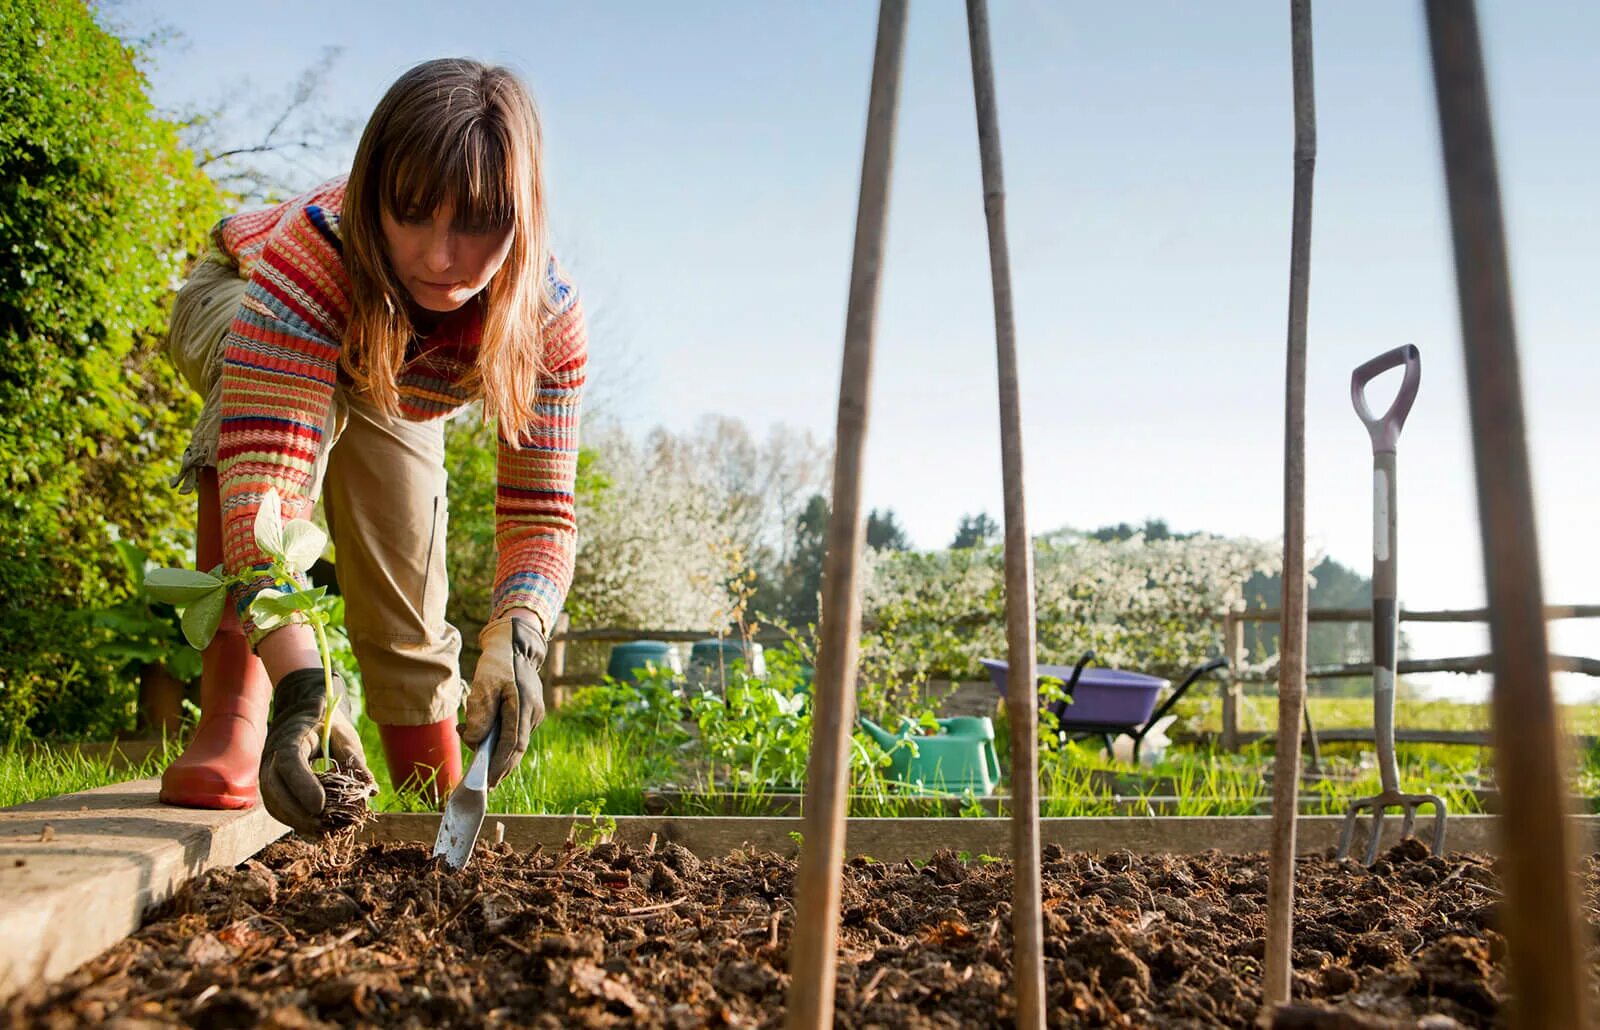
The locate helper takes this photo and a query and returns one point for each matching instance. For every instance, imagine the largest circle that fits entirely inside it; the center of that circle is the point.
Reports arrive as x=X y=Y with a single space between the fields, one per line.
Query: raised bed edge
x=73 y=890
x=891 y=840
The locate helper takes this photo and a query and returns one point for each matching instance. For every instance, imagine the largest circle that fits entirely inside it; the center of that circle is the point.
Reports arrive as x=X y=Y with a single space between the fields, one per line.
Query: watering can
x=959 y=758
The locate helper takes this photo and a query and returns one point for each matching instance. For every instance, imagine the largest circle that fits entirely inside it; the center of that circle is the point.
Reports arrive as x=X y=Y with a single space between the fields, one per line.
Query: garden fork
x=1385 y=433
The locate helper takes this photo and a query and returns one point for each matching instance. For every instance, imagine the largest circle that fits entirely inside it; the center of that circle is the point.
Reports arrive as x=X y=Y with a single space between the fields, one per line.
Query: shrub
x=100 y=207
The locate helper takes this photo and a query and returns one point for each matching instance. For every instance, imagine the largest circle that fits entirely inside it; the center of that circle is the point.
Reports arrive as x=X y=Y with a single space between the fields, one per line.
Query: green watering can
x=959 y=758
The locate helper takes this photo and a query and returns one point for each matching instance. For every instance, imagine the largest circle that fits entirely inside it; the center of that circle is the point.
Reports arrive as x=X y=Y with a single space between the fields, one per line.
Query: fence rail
x=1232 y=648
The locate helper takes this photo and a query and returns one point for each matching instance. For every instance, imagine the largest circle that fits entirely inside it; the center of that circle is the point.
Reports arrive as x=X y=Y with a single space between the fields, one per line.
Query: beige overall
x=385 y=506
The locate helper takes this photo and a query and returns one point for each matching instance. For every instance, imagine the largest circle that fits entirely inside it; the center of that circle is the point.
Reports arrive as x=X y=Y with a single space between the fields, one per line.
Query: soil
x=345 y=799
x=384 y=935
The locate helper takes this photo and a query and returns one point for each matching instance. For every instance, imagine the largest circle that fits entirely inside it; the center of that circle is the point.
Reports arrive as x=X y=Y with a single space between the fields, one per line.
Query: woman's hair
x=462 y=131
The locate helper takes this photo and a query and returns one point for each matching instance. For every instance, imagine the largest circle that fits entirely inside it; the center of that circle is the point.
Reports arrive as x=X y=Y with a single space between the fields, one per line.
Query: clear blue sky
x=704 y=159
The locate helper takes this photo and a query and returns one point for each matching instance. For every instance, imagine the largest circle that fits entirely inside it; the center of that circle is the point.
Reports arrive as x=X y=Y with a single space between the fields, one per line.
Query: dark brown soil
x=345 y=799
x=382 y=935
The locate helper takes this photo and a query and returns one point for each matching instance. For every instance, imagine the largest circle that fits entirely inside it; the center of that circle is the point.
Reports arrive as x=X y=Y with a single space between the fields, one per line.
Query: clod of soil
x=384 y=935
x=346 y=799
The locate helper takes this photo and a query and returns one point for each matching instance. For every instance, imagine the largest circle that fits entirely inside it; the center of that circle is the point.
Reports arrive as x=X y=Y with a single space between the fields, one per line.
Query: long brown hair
x=458 y=130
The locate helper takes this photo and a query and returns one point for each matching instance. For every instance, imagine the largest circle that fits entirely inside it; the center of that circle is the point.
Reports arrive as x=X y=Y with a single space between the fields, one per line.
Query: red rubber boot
x=221 y=766
x=423 y=758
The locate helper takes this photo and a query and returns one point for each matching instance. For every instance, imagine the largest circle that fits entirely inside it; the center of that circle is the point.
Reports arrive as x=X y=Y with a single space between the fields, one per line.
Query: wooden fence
x=558 y=681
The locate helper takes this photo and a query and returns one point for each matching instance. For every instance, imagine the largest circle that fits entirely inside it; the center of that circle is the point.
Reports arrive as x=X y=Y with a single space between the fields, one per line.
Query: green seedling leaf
x=201 y=618
x=303 y=543
x=269 y=525
x=179 y=586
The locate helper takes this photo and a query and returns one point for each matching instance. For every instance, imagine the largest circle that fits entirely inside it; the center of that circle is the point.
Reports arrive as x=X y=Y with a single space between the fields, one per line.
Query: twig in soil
x=318 y=950
x=514 y=946
x=872 y=986
x=649 y=909
x=772 y=932
x=454 y=913
x=288 y=935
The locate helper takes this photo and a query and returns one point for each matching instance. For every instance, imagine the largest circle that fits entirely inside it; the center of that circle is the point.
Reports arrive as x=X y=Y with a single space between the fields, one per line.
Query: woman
x=330 y=336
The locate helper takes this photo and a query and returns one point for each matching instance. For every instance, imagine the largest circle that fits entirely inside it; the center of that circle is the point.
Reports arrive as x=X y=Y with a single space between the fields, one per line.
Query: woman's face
x=441 y=264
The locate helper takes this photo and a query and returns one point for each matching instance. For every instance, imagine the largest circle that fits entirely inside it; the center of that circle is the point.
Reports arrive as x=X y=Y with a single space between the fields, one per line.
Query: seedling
x=291 y=546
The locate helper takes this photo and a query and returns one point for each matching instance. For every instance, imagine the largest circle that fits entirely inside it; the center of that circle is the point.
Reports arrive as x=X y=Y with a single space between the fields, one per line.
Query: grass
x=28 y=774
x=577 y=766
x=568 y=766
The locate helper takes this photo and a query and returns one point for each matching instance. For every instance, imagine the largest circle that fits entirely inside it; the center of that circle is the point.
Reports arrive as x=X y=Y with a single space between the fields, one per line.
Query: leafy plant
x=291 y=547
x=600 y=828
x=144 y=630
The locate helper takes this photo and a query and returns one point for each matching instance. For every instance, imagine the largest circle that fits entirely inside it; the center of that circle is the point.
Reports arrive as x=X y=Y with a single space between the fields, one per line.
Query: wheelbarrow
x=1107 y=703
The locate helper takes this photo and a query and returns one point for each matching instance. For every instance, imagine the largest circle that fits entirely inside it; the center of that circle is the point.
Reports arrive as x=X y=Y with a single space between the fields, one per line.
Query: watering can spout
x=885 y=739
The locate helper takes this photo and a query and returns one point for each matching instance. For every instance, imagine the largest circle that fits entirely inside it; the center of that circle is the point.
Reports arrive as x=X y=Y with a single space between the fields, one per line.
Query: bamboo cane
x=1292 y=660
x=1543 y=924
x=813 y=952
x=1023 y=700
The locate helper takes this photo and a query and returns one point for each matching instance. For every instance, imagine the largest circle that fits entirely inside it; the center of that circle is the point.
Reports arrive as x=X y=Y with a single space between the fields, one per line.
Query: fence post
x=555 y=663
x=1233 y=651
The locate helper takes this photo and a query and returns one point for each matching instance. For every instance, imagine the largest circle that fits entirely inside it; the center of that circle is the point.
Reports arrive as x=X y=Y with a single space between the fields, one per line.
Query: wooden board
x=892 y=840
x=71 y=891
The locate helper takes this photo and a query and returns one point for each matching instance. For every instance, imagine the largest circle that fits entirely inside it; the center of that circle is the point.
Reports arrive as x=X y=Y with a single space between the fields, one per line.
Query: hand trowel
x=464 y=812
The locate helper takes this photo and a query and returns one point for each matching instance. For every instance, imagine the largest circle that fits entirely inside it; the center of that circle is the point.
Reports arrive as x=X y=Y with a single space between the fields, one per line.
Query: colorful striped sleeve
x=279 y=370
x=536 y=535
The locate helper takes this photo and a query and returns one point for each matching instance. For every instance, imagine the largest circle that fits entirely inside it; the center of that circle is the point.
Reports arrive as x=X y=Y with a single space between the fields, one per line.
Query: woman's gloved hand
x=506 y=681
x=289 y=787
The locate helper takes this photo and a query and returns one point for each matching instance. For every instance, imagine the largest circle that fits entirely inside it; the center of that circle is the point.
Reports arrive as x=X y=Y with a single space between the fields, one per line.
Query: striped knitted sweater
x=281 y=368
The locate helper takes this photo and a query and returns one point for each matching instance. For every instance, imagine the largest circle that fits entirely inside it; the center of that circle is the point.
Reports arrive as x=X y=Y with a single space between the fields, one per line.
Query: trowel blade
x=464 y=812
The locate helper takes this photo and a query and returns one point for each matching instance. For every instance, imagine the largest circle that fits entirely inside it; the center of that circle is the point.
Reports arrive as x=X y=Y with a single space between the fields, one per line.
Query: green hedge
x=100 y=209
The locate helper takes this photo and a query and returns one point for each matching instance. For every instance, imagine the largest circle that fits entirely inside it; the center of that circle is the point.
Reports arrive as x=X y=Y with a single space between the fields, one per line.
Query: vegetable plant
x=291 y=546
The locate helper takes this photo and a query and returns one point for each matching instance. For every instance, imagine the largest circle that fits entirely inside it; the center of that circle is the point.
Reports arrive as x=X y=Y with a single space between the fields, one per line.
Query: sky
x=703 y=162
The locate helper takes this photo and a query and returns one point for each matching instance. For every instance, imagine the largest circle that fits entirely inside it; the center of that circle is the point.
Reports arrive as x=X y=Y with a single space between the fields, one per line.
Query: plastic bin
x=636 y=654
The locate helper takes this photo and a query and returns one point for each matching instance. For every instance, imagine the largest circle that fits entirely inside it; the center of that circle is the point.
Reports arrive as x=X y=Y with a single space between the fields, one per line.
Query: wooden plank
x=1233 y=651
x=75 y=889
x=1123 y=803
x=615 y=634
x=893 y=840
x=1551 y=612
x=1469 y=664
x=1365 y=735
x=555 y=666
x=620 y=635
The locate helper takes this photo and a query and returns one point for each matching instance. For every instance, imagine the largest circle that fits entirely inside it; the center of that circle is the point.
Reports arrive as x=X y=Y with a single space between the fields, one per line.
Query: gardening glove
x=506 y=682
x=289 y=787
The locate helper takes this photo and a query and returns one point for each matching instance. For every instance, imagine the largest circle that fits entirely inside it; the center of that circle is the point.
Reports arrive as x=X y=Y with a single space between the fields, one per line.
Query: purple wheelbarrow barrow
x=1107 y=702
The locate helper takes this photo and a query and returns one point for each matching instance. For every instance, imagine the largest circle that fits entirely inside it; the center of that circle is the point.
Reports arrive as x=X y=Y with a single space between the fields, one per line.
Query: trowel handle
x=1385 y=431
x=477 y=777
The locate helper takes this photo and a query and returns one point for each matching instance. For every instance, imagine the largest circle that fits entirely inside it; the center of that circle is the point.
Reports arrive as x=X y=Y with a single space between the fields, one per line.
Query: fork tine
x=1377 y=834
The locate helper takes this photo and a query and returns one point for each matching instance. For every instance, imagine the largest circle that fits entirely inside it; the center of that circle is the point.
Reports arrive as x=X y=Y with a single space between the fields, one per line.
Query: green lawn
x=579 y=765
